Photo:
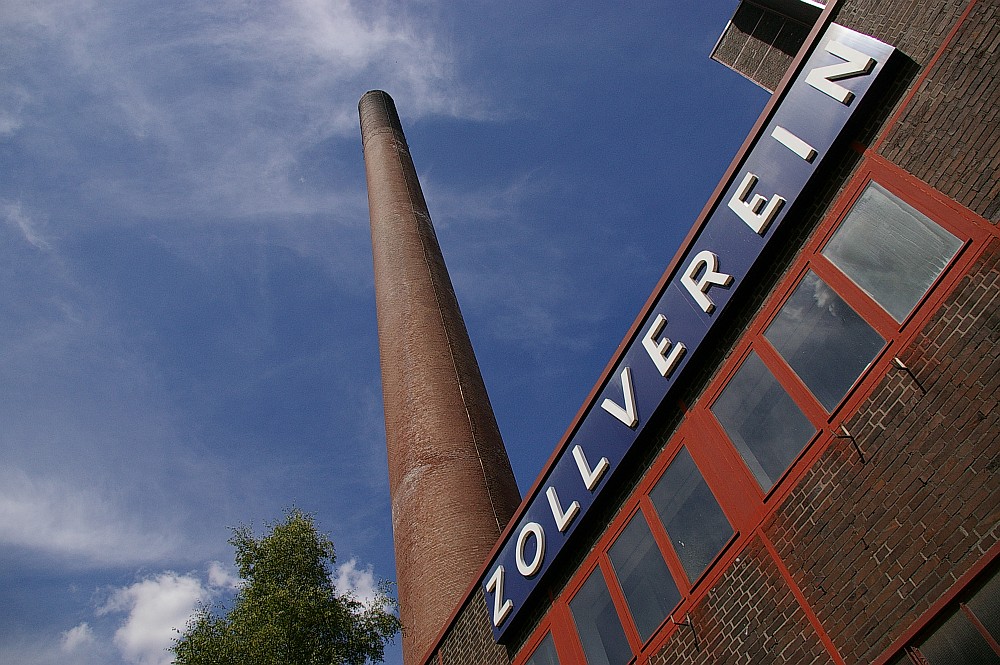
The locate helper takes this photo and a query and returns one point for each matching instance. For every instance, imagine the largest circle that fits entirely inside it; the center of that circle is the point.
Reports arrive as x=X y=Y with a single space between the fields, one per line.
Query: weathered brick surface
x=873 y=542
x=749 y=616
x=470 y=639
x=949 y=134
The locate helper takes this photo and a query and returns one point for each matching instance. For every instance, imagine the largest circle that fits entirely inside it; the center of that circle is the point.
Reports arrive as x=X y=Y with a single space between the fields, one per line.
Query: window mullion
x=977 y=624
x=853 y=295
x=740 y=496
x=792 y=384
x=620 y=604
x=662 y=539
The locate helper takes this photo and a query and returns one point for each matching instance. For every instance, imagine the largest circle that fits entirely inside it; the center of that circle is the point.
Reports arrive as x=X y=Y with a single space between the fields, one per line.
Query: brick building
x=793 y=456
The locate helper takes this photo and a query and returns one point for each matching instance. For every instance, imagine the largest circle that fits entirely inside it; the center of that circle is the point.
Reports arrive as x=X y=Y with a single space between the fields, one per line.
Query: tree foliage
x=287 y=611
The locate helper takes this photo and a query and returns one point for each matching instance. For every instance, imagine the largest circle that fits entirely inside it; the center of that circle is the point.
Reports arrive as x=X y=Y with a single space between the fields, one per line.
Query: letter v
x=627 y=415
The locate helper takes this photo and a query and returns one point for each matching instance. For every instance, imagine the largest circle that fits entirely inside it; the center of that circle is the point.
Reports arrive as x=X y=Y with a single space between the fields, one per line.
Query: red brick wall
x=949 y=134
x=470 y=639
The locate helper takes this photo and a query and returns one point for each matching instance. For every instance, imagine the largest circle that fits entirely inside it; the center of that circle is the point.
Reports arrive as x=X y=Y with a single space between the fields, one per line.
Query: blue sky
x=187 y=330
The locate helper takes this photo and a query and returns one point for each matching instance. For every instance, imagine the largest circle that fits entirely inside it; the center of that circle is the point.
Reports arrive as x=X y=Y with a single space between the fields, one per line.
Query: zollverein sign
x=830 y=86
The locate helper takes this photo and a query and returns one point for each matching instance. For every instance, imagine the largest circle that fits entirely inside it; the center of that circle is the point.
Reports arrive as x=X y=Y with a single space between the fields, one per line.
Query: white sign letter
x=657 y=350
x=822 y=78
x=563 y=519
x=794 y=143
x=627 y=415
x=756 y=215
x=495 y=586
x=710 y=262
x=530 y=529
x=590 y=476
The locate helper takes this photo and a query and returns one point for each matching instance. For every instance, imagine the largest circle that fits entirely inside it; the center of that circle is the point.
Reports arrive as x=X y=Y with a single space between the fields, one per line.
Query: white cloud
x=358 y=582
x=78 y=637
x=156 y=607
x=221 y=576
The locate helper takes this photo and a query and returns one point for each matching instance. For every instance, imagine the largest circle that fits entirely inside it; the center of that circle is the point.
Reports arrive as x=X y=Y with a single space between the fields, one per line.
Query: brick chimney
x=450 y=480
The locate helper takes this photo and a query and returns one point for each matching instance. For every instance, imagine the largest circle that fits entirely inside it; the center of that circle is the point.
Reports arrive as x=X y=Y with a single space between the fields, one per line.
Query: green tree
x=287 y=611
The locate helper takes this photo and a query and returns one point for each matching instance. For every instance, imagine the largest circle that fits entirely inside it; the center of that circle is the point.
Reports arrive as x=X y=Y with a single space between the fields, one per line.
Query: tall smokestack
x=450 y=481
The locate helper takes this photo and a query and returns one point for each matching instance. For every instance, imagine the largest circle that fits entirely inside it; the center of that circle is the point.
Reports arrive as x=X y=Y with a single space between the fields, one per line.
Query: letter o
x=529 y=529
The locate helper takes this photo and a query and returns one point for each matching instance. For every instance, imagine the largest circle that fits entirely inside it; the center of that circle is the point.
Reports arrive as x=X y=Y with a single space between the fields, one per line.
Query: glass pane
x=986 y=606
x=545 y=654
x=597 y=623
x=957 y=642
x=823 y=340
x=643 y=576
x=890 y=250
x=696 y=524
x=762 y=421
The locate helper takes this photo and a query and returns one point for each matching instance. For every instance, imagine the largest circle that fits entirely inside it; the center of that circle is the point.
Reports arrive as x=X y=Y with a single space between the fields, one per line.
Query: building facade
x=795 y=454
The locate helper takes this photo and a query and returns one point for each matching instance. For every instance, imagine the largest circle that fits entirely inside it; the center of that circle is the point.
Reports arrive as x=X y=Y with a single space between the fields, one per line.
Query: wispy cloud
x=489 y=235
x=14 y=215
x=219 y=108
x=58 y=650
x=77 y=524
x=13 y=101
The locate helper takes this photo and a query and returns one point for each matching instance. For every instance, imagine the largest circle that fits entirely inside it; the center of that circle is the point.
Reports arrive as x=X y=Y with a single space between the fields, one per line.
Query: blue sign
x=830 y=86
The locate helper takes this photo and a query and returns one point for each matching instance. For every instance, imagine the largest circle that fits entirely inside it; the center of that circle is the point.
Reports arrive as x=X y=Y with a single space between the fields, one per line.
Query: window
x=766 y=426
x=643 y=576
x=545 y=654
x=601 y=634
x=957 y=642
x=893 y=252
x=968 y=632
x=823 y=340
x=697 y=527
x=855 y=292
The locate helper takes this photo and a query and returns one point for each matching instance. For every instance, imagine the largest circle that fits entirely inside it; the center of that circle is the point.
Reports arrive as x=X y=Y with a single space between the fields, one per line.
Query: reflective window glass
x=823 y=340
x=545 y=654
x=764 y=424
x=597 y=623
x=985 y=604
x=692 y=517
x=643 y=576
x=890 y=250
x=957 y=642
